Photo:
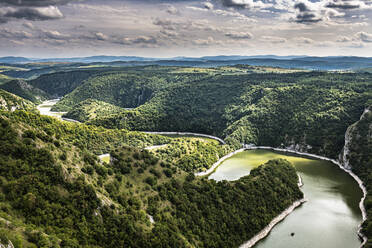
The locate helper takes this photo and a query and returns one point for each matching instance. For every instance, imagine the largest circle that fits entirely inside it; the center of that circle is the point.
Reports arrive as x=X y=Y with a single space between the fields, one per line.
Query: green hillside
x=11 y=102
x=61 y=83
x=306 y=111
x=55 y=193
x=92 y=109
x=23 y=89
x=310 y=109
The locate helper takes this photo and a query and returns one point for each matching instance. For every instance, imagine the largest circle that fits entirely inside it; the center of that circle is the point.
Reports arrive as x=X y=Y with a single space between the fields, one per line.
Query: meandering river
x=329 y=218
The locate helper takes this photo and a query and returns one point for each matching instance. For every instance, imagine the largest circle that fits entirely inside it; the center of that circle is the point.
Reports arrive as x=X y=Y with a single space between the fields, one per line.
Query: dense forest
x=312 y=109
x=55 y=193
x=302 y=110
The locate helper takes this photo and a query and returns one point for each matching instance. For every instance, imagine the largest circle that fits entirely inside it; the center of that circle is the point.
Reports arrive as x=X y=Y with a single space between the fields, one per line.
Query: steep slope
x=357 y=156
x=25 y=90
x=12 y=102
x=61 y=83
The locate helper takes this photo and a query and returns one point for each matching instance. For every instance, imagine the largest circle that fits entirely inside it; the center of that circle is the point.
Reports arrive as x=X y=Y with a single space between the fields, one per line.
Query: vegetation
x=360 y=158
x=308 y=111
x=192 y=154
x=61 y=83
x=12 y=102
x=56 y=194
x=92 y=109
x=25 y=90
x=312 y=109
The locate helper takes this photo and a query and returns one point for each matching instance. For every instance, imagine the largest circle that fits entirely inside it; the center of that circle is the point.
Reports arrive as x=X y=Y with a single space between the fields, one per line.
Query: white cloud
x=239 y=35
x=101 y=36
x=273 y=39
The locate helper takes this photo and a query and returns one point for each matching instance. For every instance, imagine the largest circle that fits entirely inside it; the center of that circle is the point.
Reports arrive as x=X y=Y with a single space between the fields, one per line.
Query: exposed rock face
x=357 y=136
x=9 y=245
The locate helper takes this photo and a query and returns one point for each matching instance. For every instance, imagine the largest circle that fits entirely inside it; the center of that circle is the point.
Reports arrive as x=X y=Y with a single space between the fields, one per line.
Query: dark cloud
x=234 y=3
x=307 y=18
x=306 y=15
x=33 y=3
x=342 y=5
x=301 y=7
x=33 y=14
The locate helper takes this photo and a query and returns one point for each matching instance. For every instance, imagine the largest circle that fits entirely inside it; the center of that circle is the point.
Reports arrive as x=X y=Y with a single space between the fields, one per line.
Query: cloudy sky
x=166 y=28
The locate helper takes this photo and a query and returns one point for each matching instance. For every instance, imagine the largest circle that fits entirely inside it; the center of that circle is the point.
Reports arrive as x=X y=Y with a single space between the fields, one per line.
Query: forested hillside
x=308 y=109
x=61 y=83
x=92 y=109
x=55 y=193
x=359 y=158
x=23 y=89
x=11 y=102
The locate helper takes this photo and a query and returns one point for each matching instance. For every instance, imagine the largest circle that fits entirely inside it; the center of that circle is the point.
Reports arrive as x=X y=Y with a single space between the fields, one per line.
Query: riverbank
x=262 y=234
x=189 y=134
x=354 y=176
x=215 y=165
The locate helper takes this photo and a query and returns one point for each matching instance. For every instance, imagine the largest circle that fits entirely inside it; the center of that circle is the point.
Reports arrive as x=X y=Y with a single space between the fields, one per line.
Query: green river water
x=330 y=217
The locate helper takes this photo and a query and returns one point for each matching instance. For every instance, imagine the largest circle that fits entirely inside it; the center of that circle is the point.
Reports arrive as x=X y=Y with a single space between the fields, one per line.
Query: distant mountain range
x=304 y=62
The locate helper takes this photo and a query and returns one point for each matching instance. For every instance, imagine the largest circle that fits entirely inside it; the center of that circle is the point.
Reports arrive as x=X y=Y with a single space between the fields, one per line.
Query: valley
x=162 y=132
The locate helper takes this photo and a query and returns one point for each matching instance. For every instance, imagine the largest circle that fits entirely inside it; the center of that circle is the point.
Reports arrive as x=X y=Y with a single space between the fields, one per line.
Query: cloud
x=363 y=36
x=165 y=23
x=301 y=7
x=13 y=34
x=208 y=5
x=139 y=40
x=306 y=14
x=101 y=36
x=52 y=34
x=169 y=33
x=28 y=25
x=273 y=39
x=31 y=14
x=206 y=42
x=247 y=4
x=304 y=40
x=235 y=3
x=343 y=39
x=349 y=4
x=33 y=3
x=342 y=5
x=239 y=35
x=172 y=10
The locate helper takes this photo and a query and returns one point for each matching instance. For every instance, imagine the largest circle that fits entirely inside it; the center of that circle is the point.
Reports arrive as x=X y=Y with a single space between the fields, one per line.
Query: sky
x=192 y=28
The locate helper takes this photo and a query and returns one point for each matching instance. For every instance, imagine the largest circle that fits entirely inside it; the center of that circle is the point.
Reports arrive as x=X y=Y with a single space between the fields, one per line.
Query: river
x=329 y=218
